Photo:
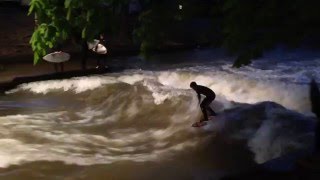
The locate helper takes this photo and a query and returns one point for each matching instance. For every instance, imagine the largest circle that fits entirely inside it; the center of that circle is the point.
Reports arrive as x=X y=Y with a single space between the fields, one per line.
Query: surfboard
x=97 y=47
x=199 y=124
x=100 y=49
x=57 y=57
x=202 y=123
x=93 y=44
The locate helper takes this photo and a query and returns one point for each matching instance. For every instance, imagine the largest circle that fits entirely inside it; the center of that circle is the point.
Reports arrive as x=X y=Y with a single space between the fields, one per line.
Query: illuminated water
x=137 y=124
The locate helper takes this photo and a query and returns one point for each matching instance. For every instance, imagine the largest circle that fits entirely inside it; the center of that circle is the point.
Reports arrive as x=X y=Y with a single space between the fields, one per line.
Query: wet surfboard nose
x=202 y=123
x=199 y=124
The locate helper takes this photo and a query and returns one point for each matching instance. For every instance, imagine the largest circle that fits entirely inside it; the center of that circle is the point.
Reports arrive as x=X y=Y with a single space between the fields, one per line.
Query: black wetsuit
x=210 y=96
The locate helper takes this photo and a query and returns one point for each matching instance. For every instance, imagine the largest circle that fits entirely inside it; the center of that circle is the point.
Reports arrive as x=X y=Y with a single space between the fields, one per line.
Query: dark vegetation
x=245 y=28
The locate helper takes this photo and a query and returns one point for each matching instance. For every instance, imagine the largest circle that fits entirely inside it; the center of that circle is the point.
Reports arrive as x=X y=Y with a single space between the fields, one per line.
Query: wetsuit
x=210 y=96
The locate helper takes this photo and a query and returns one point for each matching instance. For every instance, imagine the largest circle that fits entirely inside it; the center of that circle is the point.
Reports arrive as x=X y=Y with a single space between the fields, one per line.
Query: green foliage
x=245 y=28
x=52 y=27
x=59 y=20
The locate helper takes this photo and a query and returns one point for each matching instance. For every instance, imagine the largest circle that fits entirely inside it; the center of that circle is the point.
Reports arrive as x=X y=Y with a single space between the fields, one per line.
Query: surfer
x=204 y=105
x=100 y=58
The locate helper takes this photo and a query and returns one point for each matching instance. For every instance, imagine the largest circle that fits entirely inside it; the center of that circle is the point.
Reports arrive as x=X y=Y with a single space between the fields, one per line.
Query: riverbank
x=16 y=56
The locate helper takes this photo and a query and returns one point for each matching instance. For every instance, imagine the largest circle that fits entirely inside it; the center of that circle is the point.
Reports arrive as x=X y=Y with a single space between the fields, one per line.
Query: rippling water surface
x=137 y=124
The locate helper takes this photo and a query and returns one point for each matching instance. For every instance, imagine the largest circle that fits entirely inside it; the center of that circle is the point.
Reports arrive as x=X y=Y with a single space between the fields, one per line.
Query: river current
x=136 y=124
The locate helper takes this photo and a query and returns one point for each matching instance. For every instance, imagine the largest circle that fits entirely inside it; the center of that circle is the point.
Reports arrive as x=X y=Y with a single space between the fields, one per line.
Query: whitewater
x=137 y=123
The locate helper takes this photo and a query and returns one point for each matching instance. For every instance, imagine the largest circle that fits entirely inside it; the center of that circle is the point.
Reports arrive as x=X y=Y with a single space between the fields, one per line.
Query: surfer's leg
x=211 y=111
x=205 y=115
x=206 y=106
x=203 y=106
x=98 y=62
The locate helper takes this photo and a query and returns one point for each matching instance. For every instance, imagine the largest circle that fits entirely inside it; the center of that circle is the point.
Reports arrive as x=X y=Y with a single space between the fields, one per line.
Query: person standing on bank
x=209 y=97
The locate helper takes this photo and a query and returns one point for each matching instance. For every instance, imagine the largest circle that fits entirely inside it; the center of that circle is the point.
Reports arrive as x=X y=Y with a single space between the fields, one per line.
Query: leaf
x=67 y=3
x=42 y=4
x=43 y=52
x=50 y=31
x=37 y=5
x=89 y=14
x=31 y=8
x=32 y=39
x=69 y=14
x=38 y=46
x=35 y=58
x=42 y=30
x=50 y=44
x=83 y=34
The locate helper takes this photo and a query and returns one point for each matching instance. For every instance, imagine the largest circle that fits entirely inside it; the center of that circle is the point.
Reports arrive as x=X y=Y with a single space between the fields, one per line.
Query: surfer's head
x=193 y=85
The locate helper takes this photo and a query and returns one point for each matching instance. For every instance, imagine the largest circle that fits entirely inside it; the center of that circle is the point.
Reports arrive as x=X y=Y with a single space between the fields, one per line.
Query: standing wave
x=146 y=115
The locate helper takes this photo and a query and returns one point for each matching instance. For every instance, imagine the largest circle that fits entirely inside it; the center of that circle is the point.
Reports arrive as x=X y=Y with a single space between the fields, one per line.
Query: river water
x=136 y=124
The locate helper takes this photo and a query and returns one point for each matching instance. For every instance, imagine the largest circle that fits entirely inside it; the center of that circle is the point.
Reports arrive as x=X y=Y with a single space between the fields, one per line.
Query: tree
x=155 y=23
x=254 y=26
x=245 y=28
x=164 y=21
x=62 y=20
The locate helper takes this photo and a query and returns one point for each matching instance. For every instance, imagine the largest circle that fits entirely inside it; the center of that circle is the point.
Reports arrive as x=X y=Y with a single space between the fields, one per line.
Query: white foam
x=59 y=136
x=56 y=137
x=161 y=93
x=270 y=69
x=231 y=84
x=131 y=79
x=16 y=152
x=72 y=149
x=243 y=89
x=77 y=85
